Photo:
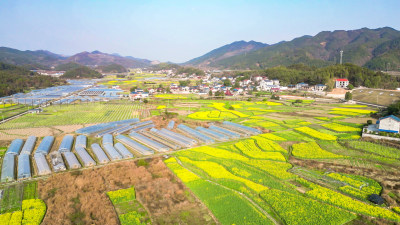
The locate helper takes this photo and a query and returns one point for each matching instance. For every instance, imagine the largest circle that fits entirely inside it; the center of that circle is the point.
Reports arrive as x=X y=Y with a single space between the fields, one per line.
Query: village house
x=138 y=95
x=389 y=124
x=341 y=83
x=302 y=85
x=319 y=87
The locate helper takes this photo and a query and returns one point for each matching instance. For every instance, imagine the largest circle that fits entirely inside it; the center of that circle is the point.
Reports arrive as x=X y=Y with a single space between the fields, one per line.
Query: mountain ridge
x=226 y=51
x=49 y=59
x=322 y=49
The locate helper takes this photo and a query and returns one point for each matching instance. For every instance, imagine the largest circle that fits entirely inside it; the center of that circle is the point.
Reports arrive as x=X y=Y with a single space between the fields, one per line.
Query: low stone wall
x=380 y=137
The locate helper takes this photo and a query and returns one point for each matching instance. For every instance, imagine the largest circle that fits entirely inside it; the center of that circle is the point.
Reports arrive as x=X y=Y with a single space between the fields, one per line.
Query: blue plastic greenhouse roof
x=15 y=147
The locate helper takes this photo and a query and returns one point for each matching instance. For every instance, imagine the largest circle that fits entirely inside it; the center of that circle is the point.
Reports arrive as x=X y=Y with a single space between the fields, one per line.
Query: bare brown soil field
x=189 y=104
x=79 y=197
x=12 y=134
x=361 y=120
x=5 y=137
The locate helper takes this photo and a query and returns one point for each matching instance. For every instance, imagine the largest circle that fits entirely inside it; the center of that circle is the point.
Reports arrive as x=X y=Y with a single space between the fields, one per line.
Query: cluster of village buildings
x=237 y=86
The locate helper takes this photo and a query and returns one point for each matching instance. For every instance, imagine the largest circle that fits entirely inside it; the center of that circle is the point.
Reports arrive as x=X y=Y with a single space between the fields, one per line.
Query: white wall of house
x=342 y=84
x=389 y=124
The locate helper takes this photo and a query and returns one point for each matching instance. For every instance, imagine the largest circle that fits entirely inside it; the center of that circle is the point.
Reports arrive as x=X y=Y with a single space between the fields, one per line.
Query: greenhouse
x=178 y=141
x=71 y=160
x=105 y=126
x=24 y=167
x=100 y=155
x=15 y=147
x=41 y=164
x=171 y=125
x=143 y=127
x=135 y=145
x=7 y=170
x=57 y=161
x=224 y=131
x=195 y=134
x=183 y=137
x=112 y=152
x=66 y=144
x=123 y=130
x=126 y=154
x=144 y=123
x=81 y=141
x=108 y=139
x=29 y=145
x=160 y=140
x=85 y=157
x=147 y=141
x=45 y=145
x=112 y=130
x=213 y=134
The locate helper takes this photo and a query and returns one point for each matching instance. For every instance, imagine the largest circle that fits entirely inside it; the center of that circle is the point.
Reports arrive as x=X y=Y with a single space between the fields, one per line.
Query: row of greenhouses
x=143 y=139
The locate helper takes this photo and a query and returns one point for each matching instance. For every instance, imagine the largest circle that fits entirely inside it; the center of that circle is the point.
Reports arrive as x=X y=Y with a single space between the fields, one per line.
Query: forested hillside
x=376 y=49
x=113 y=68
x=358 y=76
x=15 y=79
x=82 y=72
x=67 y=66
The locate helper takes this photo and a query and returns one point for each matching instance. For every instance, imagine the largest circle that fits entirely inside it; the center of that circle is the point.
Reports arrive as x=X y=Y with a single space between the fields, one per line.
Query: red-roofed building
x=342 y=83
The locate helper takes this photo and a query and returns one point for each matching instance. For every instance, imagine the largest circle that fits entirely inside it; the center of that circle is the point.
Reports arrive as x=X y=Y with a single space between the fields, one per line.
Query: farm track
x=237 y=192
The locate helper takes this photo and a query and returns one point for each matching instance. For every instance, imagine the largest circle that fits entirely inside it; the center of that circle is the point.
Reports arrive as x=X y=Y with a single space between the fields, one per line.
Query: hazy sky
x=178 y=30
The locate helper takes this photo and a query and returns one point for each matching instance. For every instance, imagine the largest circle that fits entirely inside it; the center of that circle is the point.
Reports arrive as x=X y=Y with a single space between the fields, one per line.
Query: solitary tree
x=348 y=96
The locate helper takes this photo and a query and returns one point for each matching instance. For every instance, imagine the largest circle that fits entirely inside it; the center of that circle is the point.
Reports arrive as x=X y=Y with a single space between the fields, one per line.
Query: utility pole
x=341 y=57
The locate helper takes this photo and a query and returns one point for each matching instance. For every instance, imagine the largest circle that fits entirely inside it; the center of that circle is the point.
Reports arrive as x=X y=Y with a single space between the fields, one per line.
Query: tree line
x=16 y=79
x=358 y=76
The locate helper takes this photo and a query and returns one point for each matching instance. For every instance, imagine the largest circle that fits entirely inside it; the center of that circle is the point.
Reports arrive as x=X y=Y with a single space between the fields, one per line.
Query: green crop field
x=77 y=114
x=262 y=179
x=257 y=174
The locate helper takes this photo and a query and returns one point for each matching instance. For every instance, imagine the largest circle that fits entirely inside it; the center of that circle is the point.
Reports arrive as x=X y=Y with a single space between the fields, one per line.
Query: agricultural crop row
x=228 y=165
x=340 y=127
x=249 y=148
x=217 y=171
x=357 y=186
x=340 y=200
x=316 y=134
x=130 y=215
x=212 y=115
x=296 y=209
x=33 y=211
x=375 y=148
x=350 y=111
x=122 y=195
x=228 y=206
x=268 y=145
x=220 y=107
x=76 y=114
x=312 y=150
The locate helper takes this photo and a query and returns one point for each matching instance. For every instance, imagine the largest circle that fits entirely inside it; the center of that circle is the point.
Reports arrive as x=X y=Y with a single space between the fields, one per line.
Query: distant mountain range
x=48 y=59
x=377 y=49
x=373 y=48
